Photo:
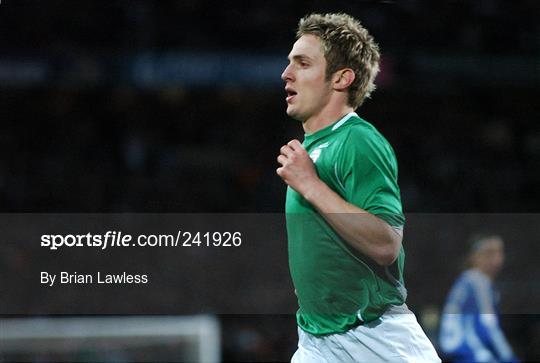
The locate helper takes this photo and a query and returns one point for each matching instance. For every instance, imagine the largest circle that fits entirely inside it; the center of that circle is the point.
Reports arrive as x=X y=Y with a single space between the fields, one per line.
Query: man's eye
x=304 y=64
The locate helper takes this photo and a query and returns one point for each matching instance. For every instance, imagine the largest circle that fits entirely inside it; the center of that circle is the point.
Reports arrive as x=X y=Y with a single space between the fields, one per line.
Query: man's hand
x=297 y=169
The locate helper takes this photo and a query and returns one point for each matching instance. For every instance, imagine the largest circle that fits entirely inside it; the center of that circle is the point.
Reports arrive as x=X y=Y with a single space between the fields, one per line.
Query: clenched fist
x=297 y=169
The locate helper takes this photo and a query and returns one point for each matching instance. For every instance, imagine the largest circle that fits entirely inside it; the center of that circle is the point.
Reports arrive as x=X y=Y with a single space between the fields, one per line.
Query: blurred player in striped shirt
x=470 y=329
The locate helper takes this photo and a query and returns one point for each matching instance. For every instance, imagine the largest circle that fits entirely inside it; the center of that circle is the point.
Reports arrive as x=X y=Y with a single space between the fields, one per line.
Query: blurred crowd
x=489 y=26
x=213 y=150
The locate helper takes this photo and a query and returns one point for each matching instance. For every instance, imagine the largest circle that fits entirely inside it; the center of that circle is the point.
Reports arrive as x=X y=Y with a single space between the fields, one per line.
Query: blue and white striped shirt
x=470 y=329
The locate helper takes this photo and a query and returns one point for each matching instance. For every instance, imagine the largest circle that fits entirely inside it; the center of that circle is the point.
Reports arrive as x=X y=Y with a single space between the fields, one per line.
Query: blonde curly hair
x=346 y=44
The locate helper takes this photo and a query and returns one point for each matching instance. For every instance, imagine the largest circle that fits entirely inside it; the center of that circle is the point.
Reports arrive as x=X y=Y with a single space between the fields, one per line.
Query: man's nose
x=287 y=74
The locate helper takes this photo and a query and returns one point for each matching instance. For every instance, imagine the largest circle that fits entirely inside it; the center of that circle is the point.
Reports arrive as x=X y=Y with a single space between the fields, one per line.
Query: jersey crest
x=314 y=155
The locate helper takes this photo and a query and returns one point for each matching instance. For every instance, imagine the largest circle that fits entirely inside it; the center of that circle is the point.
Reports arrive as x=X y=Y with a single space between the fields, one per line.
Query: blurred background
x=178 y=107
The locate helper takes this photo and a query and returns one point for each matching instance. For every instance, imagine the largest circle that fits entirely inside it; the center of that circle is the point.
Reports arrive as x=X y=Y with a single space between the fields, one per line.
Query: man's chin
x=294 y=114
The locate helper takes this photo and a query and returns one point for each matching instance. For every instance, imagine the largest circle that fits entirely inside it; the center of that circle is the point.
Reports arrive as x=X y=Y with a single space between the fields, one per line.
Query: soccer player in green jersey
x=343 y=208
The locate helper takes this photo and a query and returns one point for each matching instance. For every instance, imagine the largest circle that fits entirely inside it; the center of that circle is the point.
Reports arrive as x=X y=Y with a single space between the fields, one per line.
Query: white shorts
x=394 y=337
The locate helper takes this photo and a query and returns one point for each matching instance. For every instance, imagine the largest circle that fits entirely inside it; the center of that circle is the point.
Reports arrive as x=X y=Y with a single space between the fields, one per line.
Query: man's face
x=490 y=257
x=305 y=79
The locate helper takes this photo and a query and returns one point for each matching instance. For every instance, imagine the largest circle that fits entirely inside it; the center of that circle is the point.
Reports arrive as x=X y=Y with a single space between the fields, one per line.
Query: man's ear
x=343 y=79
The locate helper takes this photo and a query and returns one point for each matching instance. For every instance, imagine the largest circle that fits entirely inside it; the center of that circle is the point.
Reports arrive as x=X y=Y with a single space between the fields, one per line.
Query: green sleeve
x=369 y=175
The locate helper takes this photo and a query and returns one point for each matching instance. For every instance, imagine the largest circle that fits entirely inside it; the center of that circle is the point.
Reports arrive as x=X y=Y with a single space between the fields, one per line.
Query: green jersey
x=337 y=286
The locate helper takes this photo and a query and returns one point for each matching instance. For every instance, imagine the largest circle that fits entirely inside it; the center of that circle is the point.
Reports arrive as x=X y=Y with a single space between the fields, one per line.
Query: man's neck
x=324 y=118
x=490 y=275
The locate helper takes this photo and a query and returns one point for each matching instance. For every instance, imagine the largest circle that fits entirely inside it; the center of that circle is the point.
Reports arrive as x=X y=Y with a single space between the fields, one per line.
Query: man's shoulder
x=362 y=136
x=473 y=280
x=476 y=278
x=360 y=129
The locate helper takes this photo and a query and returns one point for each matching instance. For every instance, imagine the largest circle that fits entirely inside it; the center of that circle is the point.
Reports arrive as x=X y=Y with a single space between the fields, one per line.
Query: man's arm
x=489 y=326
x=362 y=230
